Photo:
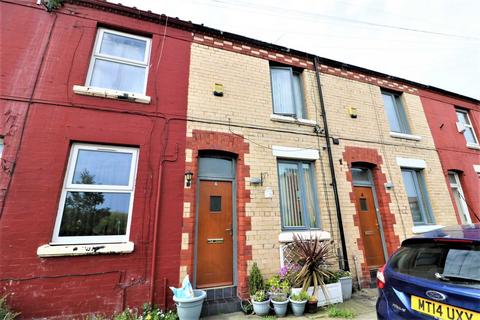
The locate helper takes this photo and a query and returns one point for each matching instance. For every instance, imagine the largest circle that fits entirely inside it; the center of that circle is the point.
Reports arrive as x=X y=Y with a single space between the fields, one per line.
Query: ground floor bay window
x=298 y=196
x=97 y=195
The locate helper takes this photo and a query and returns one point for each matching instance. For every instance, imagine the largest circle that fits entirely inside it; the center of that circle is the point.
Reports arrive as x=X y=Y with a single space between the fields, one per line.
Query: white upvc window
x=459 y=197
x=97 y=197
x=469 y=132
x=119 y=62
x=396 y=114
x=287 y=92
x=1 y=146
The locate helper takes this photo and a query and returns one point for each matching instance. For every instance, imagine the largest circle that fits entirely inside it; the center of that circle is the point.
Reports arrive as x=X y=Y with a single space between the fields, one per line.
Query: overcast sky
x=434 y=42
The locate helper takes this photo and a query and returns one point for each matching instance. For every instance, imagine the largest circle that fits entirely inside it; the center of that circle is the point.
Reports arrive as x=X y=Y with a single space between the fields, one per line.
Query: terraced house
x=138 y=148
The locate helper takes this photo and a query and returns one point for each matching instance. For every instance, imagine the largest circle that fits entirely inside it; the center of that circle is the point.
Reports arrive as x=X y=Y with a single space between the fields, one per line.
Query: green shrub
x=301 y=296
x=260 y=296
x=5 y=312
x=255 y=280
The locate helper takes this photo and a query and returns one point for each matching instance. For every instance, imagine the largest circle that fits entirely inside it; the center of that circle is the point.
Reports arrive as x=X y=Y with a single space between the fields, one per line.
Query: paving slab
x=362 y=305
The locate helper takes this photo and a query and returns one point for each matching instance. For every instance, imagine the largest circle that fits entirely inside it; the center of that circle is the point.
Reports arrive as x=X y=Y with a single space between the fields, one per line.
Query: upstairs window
x=417 y=196
x=464 y=121
x=1 y=146
x=395 y=111
x=298 y=198
x=97 y=196
x=119 y=62
x=287 y=92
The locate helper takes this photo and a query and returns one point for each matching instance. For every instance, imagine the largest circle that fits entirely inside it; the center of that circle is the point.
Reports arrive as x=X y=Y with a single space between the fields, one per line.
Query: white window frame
x=101 y=56
x=68 y=186
x=467 y=125
x=2 y=145
x=463 y=202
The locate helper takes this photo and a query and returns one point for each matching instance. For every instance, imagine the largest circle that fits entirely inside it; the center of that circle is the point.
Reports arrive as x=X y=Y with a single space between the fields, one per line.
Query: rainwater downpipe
x=332 y=169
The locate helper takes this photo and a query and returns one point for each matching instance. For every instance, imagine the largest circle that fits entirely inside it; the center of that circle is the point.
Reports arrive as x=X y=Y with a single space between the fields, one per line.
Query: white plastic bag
x=186 y=291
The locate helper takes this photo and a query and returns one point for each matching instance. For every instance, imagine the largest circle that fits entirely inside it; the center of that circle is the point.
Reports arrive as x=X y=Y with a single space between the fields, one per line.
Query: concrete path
x=362 y=305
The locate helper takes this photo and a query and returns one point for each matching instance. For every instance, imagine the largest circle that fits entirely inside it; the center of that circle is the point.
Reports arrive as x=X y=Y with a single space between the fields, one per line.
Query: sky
x=434 y=42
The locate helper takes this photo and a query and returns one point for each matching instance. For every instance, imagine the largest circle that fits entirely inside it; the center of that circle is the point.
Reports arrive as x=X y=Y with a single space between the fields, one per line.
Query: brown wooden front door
x=369 y=228
x=215 y=234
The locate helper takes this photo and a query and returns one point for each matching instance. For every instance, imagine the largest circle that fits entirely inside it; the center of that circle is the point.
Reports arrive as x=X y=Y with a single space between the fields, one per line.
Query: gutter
x=346 y=267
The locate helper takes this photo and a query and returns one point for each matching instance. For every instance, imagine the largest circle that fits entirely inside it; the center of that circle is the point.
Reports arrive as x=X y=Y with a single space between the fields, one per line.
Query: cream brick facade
x=246 y=110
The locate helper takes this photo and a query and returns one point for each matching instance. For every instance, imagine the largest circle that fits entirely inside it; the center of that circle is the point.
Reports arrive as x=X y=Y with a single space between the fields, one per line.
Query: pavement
x=362 y=305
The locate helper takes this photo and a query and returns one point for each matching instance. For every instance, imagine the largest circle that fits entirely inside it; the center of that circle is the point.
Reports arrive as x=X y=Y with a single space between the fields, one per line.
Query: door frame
x=233 y=180
x=370 y=184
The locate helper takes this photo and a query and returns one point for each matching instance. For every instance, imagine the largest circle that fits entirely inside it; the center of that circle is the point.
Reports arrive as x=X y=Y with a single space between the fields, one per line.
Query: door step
x=373 y=278
x=221 y=301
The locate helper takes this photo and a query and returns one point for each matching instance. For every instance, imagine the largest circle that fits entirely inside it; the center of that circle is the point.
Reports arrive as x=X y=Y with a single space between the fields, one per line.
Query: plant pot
x=312 y=306
x=347 y=284
x=280 y=307
x=334 y=293
x=298 y=307
x=190 y=308
x=261 y=308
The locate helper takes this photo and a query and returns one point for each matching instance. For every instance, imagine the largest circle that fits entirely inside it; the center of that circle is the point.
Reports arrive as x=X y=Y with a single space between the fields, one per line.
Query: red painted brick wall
x=451 y=145
x=67 y=286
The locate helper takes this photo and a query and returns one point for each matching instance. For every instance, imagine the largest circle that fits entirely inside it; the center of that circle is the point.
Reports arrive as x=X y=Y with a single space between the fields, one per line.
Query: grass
x=334 y=312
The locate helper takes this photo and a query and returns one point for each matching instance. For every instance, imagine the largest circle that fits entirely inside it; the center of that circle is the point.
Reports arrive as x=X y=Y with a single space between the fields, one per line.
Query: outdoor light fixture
x=188 y=178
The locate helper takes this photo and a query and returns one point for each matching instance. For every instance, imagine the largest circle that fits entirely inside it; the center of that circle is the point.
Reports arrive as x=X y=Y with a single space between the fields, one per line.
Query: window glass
x=451 y=178
x=215 y=203
x=459 y=197
x=363 y=204
x=123 y=47
x=102 y=168
x=298 y=95
x=360 y=175
x=118 y=76
x=395 y=113
x=283 y=102
x=297 y=195
x=95 y=214
x=215 y=167
x=417 y=198
x=96 y=202
x=456 y=262
x=470 y=137
x=119 y=62
x=1 y=146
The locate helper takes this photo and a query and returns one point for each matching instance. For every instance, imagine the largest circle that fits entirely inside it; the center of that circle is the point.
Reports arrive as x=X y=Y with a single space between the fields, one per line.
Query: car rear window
x=457 y=263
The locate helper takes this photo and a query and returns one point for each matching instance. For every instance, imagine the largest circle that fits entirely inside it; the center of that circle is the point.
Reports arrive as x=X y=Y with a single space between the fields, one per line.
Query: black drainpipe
x=332 y=169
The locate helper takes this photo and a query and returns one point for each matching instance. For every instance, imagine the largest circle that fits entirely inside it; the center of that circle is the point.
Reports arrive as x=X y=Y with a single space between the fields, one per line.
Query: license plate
x=441 y=310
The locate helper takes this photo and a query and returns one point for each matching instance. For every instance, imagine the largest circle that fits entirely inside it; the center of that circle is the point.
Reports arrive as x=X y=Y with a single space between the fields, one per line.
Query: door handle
x=229 y=230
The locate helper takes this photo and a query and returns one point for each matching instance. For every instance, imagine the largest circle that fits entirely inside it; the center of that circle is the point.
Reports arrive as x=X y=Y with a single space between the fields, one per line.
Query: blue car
x=434 y=276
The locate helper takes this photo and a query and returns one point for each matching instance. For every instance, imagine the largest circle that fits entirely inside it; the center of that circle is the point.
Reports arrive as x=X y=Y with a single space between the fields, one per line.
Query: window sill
x=285 y=119
x=426 y=228
x=57 y=250
x=405 y=136
x=287 y=236
x=111 y=94
x=473 y=146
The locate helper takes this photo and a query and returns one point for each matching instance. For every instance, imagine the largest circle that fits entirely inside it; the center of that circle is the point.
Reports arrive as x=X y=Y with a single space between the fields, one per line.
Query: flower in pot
x=261 y=303
x=298 y=302
x=313 y=257
x=312 y=304
x=279 y=287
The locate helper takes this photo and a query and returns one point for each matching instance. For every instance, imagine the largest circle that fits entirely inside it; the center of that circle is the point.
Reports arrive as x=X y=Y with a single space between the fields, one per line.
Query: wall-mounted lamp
x=188 y=178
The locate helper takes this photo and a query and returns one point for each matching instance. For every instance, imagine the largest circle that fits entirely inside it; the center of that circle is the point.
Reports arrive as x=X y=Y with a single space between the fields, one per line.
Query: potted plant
x=298 y=302
x=313 y=258
x=312 y=304
x=278 y=288
x=345 y=278
x=261 y=303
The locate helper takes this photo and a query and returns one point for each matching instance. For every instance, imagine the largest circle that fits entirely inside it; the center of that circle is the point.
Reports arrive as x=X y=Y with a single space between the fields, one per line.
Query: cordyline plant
x=313 y=256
